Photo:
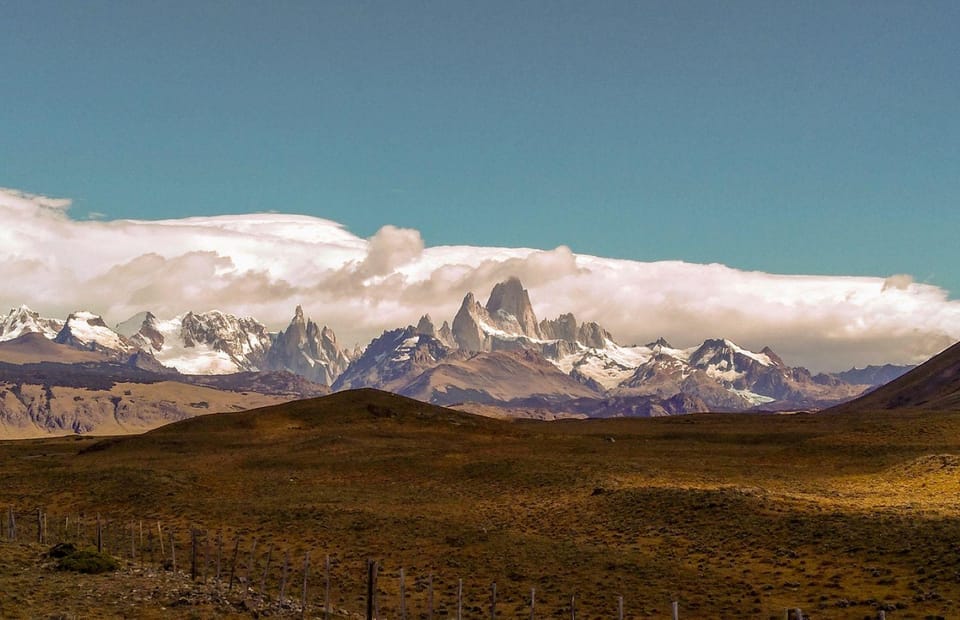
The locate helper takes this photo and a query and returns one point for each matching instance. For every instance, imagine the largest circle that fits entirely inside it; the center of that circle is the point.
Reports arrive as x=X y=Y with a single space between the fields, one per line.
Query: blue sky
x=788 y=137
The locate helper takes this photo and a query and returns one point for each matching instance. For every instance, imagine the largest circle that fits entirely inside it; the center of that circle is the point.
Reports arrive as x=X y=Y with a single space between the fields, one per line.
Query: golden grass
x=736 y=516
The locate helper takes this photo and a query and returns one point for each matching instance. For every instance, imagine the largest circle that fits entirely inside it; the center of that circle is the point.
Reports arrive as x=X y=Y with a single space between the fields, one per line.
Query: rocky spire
x=425 y=326
x=466 y=325
x=511 y=299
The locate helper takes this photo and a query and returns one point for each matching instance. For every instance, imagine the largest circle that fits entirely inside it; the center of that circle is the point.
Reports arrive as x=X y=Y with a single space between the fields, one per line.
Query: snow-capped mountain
x=23 y=320
x=543 y=363
x=85 y=330
x=308 y=350
x=203 y=343
x=393 y=359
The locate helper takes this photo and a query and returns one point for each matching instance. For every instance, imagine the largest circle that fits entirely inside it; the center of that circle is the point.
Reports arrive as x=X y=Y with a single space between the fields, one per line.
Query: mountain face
x=40 y=399
x=307 y=350
x=497 y=353
x=87 y=331
x=394 y=359
x=500 y=377
x=874 y=375
x=23 y=320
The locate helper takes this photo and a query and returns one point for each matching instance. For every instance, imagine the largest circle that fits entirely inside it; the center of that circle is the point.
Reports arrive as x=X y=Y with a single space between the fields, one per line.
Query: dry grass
x=737 y=516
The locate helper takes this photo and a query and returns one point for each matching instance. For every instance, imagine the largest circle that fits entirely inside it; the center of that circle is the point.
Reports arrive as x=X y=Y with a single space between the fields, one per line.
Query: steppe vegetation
x=733 y=515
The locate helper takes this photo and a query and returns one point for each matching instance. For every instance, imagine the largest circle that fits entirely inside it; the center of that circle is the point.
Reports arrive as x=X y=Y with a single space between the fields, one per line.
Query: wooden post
x=249 y=569
x=799 y=614
x=206 y=554
x=45 y=528
x=493 y=601
x=370 y=577
x=283 y=578
x=376 y=594
x=163 y=554
x=40 y=525
x=533 y=603
x=133 y=542
x=883 y=615
x=219 y=554
x=153 y=552
x=233 y=565
x=266 y=567
x=99 y=535
x=403 y=597
x=193 y=554
x=326 y=590
x=676 y=610
x=303 y=592
x=430 y=597
x=173 y=552
x=573 y=607
x=619 y=608
x=460 y=599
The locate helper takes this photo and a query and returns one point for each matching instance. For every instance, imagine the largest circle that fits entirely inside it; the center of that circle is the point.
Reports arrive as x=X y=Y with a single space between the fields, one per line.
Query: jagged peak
x=425 y=326
x=659 y=342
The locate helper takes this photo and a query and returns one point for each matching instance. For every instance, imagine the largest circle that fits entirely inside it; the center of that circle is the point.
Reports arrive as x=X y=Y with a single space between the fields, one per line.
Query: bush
x=88 y=561
x=62 y=550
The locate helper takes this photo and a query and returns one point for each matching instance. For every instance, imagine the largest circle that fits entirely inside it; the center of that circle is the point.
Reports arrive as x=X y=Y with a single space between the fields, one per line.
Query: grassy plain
x=735 y=516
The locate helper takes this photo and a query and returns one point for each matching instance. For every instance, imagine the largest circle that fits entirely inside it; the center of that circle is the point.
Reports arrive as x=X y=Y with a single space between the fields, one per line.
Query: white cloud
x=264 y=264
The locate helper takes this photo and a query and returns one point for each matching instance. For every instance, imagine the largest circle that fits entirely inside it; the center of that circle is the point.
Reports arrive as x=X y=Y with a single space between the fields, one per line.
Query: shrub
x=88 y=561
x=62 y=550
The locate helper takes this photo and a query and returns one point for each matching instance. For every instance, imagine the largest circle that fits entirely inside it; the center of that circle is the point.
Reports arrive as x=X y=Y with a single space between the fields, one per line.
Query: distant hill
x=934 y=385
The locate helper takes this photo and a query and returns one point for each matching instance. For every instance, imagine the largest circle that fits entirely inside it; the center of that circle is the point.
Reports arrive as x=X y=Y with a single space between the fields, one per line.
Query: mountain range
x=493 y=355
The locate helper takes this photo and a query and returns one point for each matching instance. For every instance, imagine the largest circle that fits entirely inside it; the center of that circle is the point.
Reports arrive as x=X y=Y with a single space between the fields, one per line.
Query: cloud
x=264 y=264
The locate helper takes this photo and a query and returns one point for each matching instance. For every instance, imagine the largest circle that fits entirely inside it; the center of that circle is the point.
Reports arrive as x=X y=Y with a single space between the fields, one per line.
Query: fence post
x=430 y=597
x=619 y=608
x=266 y=567
x=99 y=535
x=219 y=555
x=460 y=599
x=173 y=552
x=403 y=596
x=799 y=614
x=249 y=569
x=493 y=601
x=233 y=565
x=676 y=610
x=193 y=554
x=40 y=525
x=303 y=594
x=283 y=577
x=533 y=603
x=326 y=590
x=370 y=577
x=163 y=554
x=573 y=607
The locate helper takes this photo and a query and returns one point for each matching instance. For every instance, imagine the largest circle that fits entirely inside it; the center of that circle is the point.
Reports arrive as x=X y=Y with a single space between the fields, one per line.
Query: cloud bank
x=264 y=264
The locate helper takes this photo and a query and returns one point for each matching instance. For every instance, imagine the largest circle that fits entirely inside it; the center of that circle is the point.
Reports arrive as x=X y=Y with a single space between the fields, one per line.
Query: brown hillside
x=934 y=385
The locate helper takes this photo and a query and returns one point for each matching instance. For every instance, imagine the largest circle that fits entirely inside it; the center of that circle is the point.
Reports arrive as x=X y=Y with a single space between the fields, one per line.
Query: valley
x=734 y=515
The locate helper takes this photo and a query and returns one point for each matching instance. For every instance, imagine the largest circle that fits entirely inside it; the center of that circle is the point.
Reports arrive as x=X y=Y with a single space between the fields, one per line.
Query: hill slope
x=735 y=516
x=934 y=385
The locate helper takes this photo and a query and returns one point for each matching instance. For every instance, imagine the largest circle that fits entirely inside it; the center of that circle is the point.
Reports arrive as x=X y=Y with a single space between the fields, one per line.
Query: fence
x=259 y=575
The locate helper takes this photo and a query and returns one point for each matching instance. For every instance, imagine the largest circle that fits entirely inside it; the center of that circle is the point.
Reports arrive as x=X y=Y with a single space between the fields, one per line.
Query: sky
x=766 y=138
